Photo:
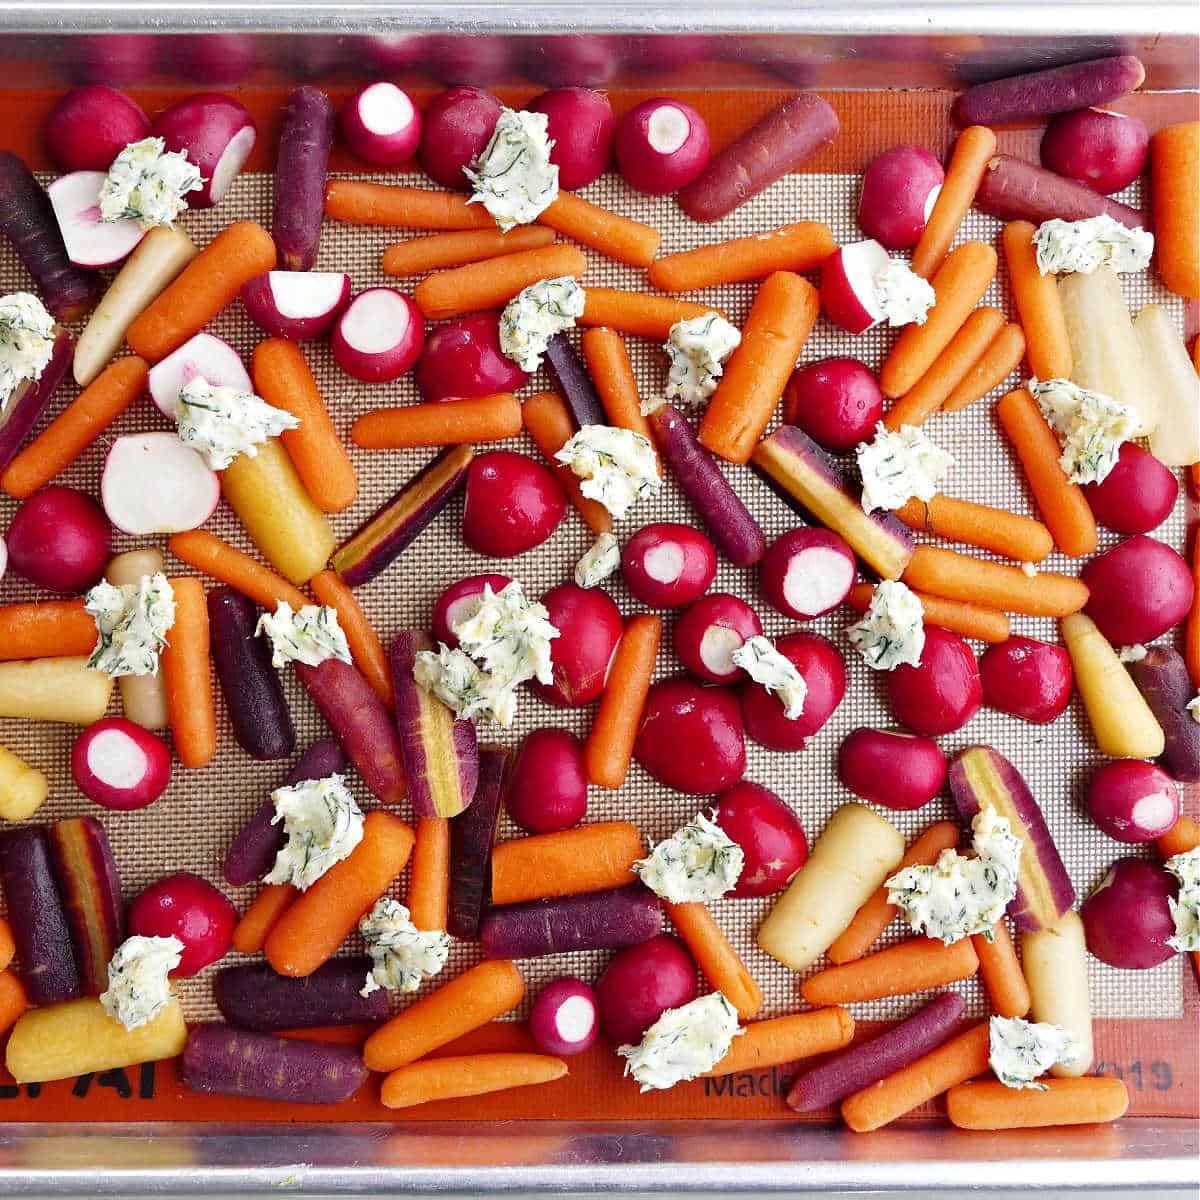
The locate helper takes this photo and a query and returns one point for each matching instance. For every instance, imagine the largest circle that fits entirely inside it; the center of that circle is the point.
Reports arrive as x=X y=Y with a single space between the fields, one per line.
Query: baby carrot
x=8 y=944
x=219 y=560
x=210 y=282
x=637 y=313
x=76 y=428
x=442 y=423
x=1062 y=503
x=493 y=282
x=429 y=885
x=912 y=966
x=970 y=620
x=588 y=858
x=442 y=250
x=611 y=371
x=365 y=647
x=798 y=247
x=417 y=208
x=972 y=150
x=13 y=1000
x=780 y=320
x=250 y=933
x=1038 y=304
x=282 y=377
x=46 y=629
x=1009 y=534
x=990 y=370
x=785 y=1040
x=988 y=1104
x=1183 y=836
x=1001 y=971
x=718 y=961
x=615 y=236
x=187 y=673
x=452 y=1078
x=609 y=746
x=1174 y=169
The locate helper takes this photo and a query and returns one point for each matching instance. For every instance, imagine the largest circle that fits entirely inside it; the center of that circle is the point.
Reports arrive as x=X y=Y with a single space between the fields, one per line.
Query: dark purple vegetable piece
x=1162 y=678
x=319 y=761
x=26 y=405
x=1015 y=190
x=254 y=997
x=573 y=382
x=472 y=835
x=305 y=141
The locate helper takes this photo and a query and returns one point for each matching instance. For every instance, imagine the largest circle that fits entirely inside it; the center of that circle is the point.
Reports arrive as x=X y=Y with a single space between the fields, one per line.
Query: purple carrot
x=305 y=139
x=572 y=380
x=472 y=835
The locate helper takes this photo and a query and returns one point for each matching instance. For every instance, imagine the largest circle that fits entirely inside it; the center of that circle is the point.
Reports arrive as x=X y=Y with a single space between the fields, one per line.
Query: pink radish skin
x=1137 y=495
x=1133 y=801
x=379 y=337
x=895 y=770
x=117 y=58
x=710 y=631
x=463 y=359
x=91 y=125
x=668 y=565
x=691 y=738
x=640 y=984
x=1104 y=150
x=382 y=125
x=90 y=242
x=513 y=503
x=120 y=765
x=848 y=294
x=824 y=672
x=943 y=693
x=59 y=540
x=581 y=126
x=296 y=304
x=1139 y=589
x=460 y=602
x=454 y=59
x=662 y=145
x=548 y=788
x=217 y=134
x=807 y=572
x=153 y=483
x=216 y=58
x=573 y=58
x=565 y=1018
x=1127 y=919
x=770 y=835
x=203 y=356
x=899 y=189
x=589 y=627
x=837 y=402
x=1027 y=679
x=191 y=909
x=388 y=53
x=457 y=126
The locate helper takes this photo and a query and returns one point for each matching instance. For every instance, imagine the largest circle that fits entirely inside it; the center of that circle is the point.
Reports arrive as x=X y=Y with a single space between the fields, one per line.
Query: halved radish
x=849 y=296
x=382 y=125
x=90 y=242
x=120 y=765
x=808 y=572
x=710 y=631
x=296 y=304
x=217 y=134
x=379 y=336
x=208 y=357
x=153 y=483
x=667 y=565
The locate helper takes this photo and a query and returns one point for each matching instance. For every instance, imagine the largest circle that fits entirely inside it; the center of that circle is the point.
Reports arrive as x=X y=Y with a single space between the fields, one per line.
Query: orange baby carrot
x=46 y=629
x=282 y=378
x=441 y=423
x=990 y=370
x=1062 y=504
x=202 y=550
x=209 y=283
x=429 y=885
x=13 y=1000
x=970 y=620
x=913 y=966
x=1183 y=836
x=417 y=208
x=718 y=961
x=187 y=673
x=637 y=313
x=250 y=933
x=1001 y=972
x=365 y=647
x=615 y=236
x=877 y=914
x=442 y=250
x=1191 y=637
x=588 y=858
x=8 y=944
x=782 y=1040
x=474 y=998
x=972 y=150
x=452 y=1078
x=76 y=428
x=989 y=1104
x=609 y=746
x=1009 y=534
x=798 y=247
x=493 y=282
x=311 y=929
x=1038 y=304
x=780 y=320
x=958 y=284
x=1174 y=169
x=611 y=371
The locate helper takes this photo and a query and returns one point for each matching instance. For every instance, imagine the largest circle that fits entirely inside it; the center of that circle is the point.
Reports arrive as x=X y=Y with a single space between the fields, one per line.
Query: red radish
x=191 y=909
x=849 y=297
x=203 y=355
x=710 y=631
x=824 y=672
x=691 y=737
x=568 y=58
x=580 y=124
x=662 y=145
x=215 y=58
x=665 y=51
x=381 y=124
x=116 y=58
x=90 y=242
x=1027 y=679
x=296 y=304
x=896 y=770
x=1137 y=495
x=3 y=558
x=477 y=59
x=153 y=483
x=91 y=125
x=589 y=627
x=548 y=787
x=1133 y=801
x=463 y=359
x=1139 y=589
x=640 y=984
x=1127 y=919
x=379 y=336
x=513 y=504
x=391 y=52
x=807 y=572
x=899 y=189
x=836 y=401
x=770 y=835
x=120 y=765
x=944 y=692
x=565 y=1017
x=457 y=125
x=459 y=602
x=1104 y=150
x=59 y=540
x=217 y=134
x=667 y=565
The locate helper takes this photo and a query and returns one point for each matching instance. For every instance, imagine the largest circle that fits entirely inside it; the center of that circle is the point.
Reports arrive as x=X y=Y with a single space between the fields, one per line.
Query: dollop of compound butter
x=26 y=342
x=892 y=631
x=514 y=178
x=132 y=622
x=617 y=466
x=599 y=561
x=696 y=863
x=1091 y=426
x=149 y=184
x=1081 y=247
x=903 y=297
x=1185 y=907
x=683 y=1043
x=402 y=956
x=138 y=989
x=309 y=636
x=323 y=824
x=776 y=672
x=534 y=315
x=1021 y=1050
x=898 y=467
x=220 y=423
x=697 y=349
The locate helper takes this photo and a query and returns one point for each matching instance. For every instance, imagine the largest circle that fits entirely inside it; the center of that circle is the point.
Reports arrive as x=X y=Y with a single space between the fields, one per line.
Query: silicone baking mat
x=1143 y=1017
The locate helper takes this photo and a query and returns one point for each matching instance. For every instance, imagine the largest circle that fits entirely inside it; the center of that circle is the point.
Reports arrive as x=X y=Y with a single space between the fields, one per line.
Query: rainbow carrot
x=992 y=368
x=46 y=629
x=443 y=250
x=187 y=672
x=365 y=647
x=569 y=862
x=219 y=560
x=989 y=1104
x=994 y=529
x=782 y=1040
x=441 y=423
x=970 y=620
x=608 y=364
x=912 y=966
x=718 y=961
x=1001 y=971
x=616 y=236
x=429 y=887
x=1174 y=169
x=452 y=1078
x=272 y=901
x=798 y=247
x=637 y=313
x=1038 y=303
x=416 y=208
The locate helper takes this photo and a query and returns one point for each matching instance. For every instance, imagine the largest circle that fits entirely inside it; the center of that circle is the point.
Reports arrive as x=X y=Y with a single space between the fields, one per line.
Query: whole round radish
x=379 y=336
x=548 y=787
x=896 y=770
x=581 y=125
x=667 y=565
x=91 y=125
x=456 y=126
x=59 y=540
x=153 y=483
x=589 y=627
x=899 y=189
x=216 y=58
x=1139 y=589
x=390 y=53
x=824 y=672
x=191 y=909
x=836 y=401
x=690 y=738
x=1027 y=679
x=1137 y=495
x=710 y=631
x=640 y=984
x=296 y=304
x=807 y=572
x=478 y=59
x=563 y=60
x=661 y=146
x=120 y=765
x=90 y=242
x=565 y=1017
x=1127 y=919
x=459 y=602
x=463 y=359
x=1104 y=150
x=217 y=134
x=512 y=504
x=116 y=58
x=943 y=693
x=1133 y=801
x=770 y=835
x=665 y=51
x=381 y=124
x=849 y=297
x=203 y=355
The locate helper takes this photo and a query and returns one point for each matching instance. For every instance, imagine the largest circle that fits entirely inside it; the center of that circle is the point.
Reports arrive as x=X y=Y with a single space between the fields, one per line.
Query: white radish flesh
x=203 y=356
x=153 y=483
x=717 y=647
x=300 y=294
x=1175 y=440
x=664 y=562
x=90 y=242
x=667 y=129
x=818 y=579
x=116 y=759
x=1055 y=962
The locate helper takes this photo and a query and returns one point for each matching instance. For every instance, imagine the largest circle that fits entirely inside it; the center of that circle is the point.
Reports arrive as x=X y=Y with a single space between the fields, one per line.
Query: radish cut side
x=717 y=647
x=116 y=760
x=153 y=483
x=385 y=109
x=1155 y=811
x=208 y=357
x=299 y=295
x=90 y=242
x=664 y=563
x=230 y=163
x=667 y=129
x=862 y=263
x=376 y=322
x=817 y=580
x=575 y=1018
x=931 y=200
